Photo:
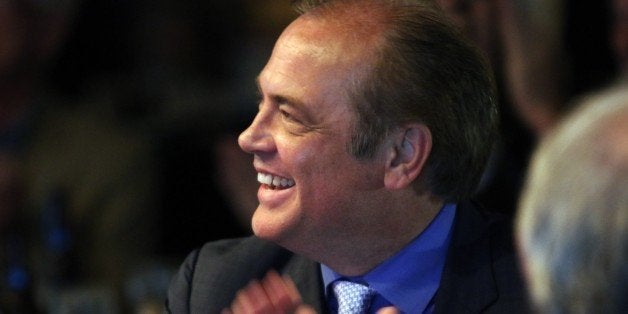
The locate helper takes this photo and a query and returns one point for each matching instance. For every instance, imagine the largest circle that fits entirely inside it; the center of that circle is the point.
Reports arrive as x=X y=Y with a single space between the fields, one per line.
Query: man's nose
x=257 y=137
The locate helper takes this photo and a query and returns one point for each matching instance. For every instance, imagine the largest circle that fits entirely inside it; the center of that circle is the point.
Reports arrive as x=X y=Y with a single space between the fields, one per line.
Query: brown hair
x=425 y=71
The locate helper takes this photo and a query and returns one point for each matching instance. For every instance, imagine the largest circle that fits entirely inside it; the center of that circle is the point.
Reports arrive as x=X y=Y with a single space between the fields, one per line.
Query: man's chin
x=265 y=228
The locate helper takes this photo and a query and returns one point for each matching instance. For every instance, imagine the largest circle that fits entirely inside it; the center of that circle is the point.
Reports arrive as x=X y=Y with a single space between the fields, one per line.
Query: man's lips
x=274 y=190
x=274 y=181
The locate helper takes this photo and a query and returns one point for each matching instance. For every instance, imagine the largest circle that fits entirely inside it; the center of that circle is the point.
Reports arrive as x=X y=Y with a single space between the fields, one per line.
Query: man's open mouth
x=274 y=182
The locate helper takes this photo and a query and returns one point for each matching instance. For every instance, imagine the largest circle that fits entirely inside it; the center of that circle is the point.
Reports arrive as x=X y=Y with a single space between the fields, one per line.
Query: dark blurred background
x=119 y=119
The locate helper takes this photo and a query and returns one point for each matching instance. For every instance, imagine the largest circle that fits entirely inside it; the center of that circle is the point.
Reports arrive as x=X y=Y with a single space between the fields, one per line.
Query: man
x=375 y=122
x=572 y=226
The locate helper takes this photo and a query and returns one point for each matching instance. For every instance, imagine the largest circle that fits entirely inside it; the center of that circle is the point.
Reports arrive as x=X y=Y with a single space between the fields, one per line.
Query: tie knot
x=353 y=298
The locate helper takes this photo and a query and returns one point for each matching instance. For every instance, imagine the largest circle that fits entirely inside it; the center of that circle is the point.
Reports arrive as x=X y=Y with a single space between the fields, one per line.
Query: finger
x=305 y=309
x=282 y=293
x=388 y=310
x=251 y=299
x=292 y=289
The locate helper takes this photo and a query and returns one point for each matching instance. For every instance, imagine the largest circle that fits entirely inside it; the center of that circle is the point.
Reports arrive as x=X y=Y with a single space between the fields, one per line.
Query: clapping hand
x=275 y=294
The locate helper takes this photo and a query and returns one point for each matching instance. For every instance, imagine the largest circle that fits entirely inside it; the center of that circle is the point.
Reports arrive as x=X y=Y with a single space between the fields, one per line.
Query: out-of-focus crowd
x=118 y=122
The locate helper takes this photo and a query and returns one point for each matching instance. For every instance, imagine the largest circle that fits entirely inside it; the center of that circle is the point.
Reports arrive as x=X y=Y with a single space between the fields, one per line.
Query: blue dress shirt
x=409 y=279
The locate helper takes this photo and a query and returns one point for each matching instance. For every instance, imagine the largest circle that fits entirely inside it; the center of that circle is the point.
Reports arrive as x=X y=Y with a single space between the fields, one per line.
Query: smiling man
x=375 y=123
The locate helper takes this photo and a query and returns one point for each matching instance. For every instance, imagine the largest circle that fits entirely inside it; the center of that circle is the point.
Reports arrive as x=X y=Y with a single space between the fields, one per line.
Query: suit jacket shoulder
x=482 y=273
x=210 y=277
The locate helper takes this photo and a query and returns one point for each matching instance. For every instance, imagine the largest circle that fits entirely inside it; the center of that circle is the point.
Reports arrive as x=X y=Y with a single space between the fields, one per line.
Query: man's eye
x=287 y=116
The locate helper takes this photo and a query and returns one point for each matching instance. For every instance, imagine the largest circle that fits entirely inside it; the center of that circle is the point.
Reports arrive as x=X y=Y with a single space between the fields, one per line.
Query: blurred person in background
x=537 y=48
x=572 y=224
x=619 y=36
x=543 y=53
x=503 y=30
x=76 y=187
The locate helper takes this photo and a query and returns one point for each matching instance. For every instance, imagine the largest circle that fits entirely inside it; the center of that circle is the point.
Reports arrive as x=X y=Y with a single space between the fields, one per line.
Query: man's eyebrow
x=281 y=99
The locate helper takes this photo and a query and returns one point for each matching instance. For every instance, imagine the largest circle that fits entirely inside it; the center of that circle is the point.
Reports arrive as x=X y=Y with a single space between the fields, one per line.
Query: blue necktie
x=353 y=298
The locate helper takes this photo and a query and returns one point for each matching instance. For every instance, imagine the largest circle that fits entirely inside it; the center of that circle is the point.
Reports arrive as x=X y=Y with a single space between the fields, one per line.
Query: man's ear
x=407 y=154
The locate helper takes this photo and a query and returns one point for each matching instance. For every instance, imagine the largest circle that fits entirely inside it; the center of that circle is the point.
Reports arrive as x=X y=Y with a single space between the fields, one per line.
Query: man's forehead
x=296 y=67
x=317 y=46
x=318 y=41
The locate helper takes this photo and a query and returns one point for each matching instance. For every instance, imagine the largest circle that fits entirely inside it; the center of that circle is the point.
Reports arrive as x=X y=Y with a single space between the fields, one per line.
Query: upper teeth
x=275 y=181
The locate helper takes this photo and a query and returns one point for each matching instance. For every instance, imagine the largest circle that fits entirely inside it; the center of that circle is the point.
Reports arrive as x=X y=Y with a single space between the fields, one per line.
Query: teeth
x=265 y=178
x=274 y=181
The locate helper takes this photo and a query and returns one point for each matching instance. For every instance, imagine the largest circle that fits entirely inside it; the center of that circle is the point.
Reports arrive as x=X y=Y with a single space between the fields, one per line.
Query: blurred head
x=478 y=20
x=31 y=32
x=619 y=36
x=572 y=223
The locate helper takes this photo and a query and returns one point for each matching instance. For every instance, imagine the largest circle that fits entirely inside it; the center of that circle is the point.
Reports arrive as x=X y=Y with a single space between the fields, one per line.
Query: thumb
x=388 y=310
x=305 y=309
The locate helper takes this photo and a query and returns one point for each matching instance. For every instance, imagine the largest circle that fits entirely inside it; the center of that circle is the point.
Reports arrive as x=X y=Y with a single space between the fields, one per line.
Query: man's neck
x=368 y=251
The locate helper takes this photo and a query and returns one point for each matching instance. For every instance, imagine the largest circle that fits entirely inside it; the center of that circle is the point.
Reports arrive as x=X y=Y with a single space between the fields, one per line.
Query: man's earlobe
x=408 y=153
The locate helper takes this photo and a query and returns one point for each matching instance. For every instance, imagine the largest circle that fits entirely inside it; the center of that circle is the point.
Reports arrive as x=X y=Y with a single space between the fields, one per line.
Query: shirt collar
x=410 y=278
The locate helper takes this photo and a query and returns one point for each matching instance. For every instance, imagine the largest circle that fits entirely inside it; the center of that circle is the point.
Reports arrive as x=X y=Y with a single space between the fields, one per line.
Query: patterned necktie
x=353 y=298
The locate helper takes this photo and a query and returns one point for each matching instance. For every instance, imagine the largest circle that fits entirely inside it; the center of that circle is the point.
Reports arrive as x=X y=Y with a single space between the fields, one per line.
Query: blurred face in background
x=477 y=19
x=620 y=34
x=30 y=33
x=12 y=36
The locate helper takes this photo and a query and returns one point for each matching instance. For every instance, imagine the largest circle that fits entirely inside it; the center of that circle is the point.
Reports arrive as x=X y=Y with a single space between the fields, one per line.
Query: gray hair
x=572 y=225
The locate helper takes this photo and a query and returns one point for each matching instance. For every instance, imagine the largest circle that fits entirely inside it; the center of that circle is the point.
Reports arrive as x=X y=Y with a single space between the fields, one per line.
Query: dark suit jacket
x=481 y=274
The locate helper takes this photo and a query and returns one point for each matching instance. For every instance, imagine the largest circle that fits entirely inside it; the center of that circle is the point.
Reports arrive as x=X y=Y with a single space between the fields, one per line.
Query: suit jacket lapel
x=307 y=277
x=467 y=284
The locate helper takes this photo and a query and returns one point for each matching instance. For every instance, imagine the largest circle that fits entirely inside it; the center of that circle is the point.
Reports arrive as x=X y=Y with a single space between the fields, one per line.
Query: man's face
x=300 y=139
